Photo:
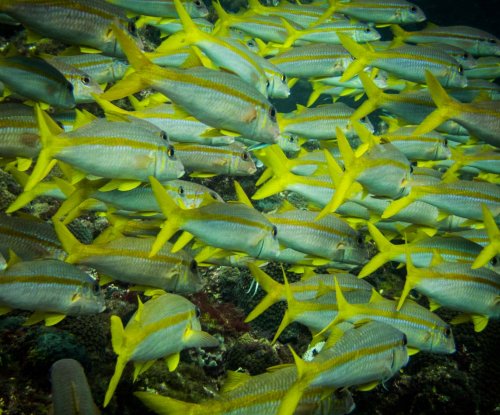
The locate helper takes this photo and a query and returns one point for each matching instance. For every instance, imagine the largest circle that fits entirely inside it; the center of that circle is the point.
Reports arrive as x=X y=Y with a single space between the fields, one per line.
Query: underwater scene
x=249 y=207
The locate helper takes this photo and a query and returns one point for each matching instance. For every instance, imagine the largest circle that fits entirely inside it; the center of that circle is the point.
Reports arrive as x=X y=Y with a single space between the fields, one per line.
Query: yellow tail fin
x=386 y=251
x=170 y=210
x=273 y=289
x=164 y=405
x=121 y=362
x=447 y=107
x=44 y=164
x=375 y=97
x=136 y=81
x=362 y=54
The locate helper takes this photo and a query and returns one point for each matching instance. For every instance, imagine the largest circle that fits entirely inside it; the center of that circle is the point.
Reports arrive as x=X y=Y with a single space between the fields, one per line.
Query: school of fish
x=415 y=183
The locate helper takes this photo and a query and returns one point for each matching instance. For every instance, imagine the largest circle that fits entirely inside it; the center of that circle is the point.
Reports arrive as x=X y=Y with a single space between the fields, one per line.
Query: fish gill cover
x=263 y=208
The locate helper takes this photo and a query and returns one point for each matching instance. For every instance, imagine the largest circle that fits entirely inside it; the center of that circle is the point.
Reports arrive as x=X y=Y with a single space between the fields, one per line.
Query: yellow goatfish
x=162 y=327
x=219 y=99
x=481 y=119
x=233 y=226
x=127 y=151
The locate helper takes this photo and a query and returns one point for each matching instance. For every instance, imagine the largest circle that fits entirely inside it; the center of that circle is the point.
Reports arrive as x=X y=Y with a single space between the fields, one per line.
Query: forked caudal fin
x=136 y=81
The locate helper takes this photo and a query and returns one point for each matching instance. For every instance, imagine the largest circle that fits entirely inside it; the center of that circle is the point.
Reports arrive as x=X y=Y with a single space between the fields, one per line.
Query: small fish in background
x=19 y=136
x=320 y=123
x=481 y=119
x=126 y=151
x=37 y=80
x=181 y=126
x=162 y=327
x=126 y=259
x=83 y=84
x=52 y=289
x=310 y=287
x=298 y=229
x=424 y=330
x=29 y=237
x=381 y=12
x=71 y=394
x=207 y=161
x=456 y=286
x=487 y=67
x=233 y=226
x=76 y=22
x=316 y=60
x=101 y=68
x=261 y=394
x=162 y=8
x=409 y=62
x=475 y=41
x=452 y=248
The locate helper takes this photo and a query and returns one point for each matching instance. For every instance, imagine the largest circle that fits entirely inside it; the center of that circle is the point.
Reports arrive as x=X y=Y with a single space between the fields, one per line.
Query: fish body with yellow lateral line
x=77 y=22
x=243 y=394
x=160 y=328
x=456 y=286
x=35 y=79
x=424 y=330
x=232 y=226
x=129 y=150
x=29 y=238
x=126 y=259
x=361 y=355
x=51 y=288
x=219 y=99
x=481 y=119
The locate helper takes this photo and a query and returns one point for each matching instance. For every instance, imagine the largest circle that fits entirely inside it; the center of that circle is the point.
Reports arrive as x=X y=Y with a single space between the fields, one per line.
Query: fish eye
x=411 y=168
x=283 y=78
x=492 y=41
x=272 y=114
x=494 y=261
x=292 y=138
x=368 y=30
x=445 y=142
x=214 y=195
x=267 y=83
x=95 y=288
x=164 y=136
x=180 y=190
x=193 y=266
x=460 y=69
x=132 y=28
x=251 y=43
x=465 y=56
x=447 y=331
x=198 y=312
x=274 y=232
x=413 y=9
x=85 y=80
x=360 y=240
x=170 y=151
x=245 y=156
x=405 y=340
x=197 y=3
